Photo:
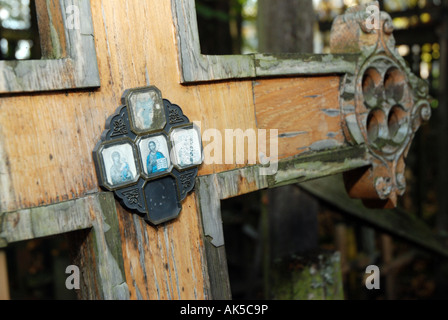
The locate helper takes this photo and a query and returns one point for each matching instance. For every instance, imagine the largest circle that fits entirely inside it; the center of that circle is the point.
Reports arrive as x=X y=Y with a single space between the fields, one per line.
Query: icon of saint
x=120 y=171
x=156 y=161
x=144 y=112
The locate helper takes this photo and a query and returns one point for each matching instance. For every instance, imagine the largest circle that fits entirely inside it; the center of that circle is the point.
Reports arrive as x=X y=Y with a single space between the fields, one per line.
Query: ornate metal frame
x=156 y=196
x=382 y=105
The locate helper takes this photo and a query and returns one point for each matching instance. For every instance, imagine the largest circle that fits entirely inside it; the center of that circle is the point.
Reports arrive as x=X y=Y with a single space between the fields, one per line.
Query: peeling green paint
x=304 y=64
x=318 y=165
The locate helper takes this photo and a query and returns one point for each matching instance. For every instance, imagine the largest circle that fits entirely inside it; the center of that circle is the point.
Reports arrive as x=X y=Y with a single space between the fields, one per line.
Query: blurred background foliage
x=19 y=34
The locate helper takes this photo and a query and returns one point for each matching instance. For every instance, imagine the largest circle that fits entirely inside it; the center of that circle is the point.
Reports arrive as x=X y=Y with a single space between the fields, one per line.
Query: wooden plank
x=33 y=75
x=209 y=203
x=4 y=283
x=164 y=263
x=394 y=221
x=108 y=251
x=211 y=189
x=51 y=29
x=81 y=48
x=218 y=272
x=305 y=110
x=98 y=254
x=210 y=208
x=46 y=221
x=268 y=65
x=196 y=67
x=318 y=165
x=222 y=108
x=78 y=70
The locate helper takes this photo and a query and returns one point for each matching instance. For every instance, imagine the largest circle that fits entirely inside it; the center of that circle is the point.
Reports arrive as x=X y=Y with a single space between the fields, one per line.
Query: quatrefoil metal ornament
x=383 y=104
x=149 y=155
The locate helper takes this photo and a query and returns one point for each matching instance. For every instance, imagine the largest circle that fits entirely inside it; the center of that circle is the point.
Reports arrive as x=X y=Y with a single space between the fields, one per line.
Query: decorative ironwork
x=186 y=180
x=136 y=159
x=175 y=117
x=382 y=103
x=120 y=128
x=133 y=196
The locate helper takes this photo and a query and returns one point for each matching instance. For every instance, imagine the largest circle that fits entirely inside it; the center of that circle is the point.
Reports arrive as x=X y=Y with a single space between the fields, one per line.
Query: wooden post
x=388 y=257
x=285 y=26
x=4 y=283
x=341 y=246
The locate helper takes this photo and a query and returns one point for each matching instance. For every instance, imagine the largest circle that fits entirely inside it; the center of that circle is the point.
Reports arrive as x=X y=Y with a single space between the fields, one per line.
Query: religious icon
x=119 y=164
x=155 y=155
x=187 y=147
x=147 y=110
x=149 y=155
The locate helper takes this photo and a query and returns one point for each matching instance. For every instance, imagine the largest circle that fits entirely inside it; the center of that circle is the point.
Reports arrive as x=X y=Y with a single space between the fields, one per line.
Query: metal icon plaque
x=149 y=155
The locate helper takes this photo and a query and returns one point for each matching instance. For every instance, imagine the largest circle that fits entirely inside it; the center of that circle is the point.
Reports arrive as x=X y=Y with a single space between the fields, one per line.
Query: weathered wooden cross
x=354 y=111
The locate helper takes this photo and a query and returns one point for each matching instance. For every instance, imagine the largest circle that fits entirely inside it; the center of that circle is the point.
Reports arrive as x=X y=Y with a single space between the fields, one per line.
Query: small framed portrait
x=155 y=155
x=187 y=147
x=146 y=110
x=119 y=164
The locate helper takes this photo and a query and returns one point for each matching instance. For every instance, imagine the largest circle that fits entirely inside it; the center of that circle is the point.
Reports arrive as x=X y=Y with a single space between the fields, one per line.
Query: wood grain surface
x=305 y=110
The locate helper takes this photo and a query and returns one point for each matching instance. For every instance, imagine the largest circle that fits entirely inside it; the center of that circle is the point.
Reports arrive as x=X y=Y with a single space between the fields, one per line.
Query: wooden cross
x=354 y=111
